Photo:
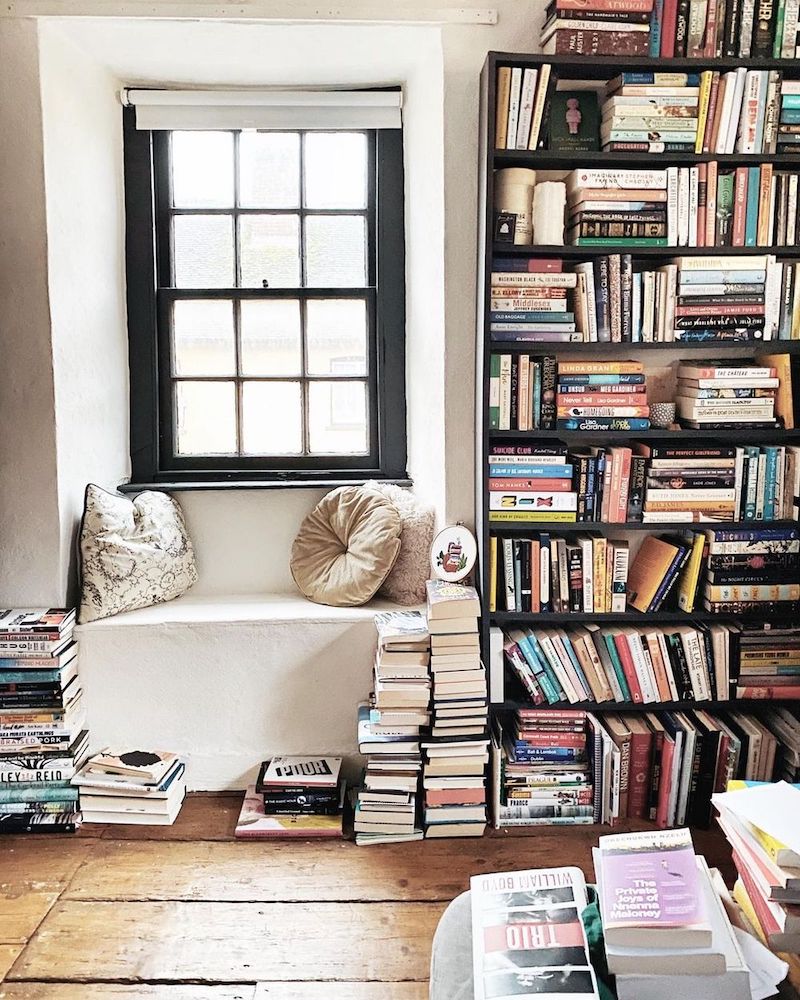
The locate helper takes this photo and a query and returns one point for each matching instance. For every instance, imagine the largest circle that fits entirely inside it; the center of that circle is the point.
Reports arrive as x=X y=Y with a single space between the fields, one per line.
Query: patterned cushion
x=405 y=584
x=346 y=547
x=134 y=553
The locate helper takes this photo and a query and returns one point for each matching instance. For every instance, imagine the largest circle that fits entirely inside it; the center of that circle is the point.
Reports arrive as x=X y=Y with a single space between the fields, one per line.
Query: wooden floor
x=187 y=913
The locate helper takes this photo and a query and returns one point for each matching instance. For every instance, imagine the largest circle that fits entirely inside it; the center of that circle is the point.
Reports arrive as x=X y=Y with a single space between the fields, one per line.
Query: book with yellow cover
x=493 y=573
x=687 y=584
x=774 y=848
x=600 y=367
x=649 y=570
x=784 y=404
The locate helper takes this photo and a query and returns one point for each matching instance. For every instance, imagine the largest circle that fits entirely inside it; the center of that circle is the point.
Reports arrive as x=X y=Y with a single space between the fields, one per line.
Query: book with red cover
x=665 y=784
x=628 y=668
x=640 y=765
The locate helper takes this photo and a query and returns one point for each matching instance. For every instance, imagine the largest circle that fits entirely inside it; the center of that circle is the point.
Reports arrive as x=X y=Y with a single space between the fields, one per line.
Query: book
x=451 y=600
x=147 y=767
x=255 y=823
x=299 y=773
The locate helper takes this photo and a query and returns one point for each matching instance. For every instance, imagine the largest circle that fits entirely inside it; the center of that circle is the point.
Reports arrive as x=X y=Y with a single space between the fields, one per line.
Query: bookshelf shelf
x=552 y=160
x=595 y=67
x=549 y=618
x=570 y=251
x=603 y=528
x=687 y=434
x=613 y=349
x=670 y=706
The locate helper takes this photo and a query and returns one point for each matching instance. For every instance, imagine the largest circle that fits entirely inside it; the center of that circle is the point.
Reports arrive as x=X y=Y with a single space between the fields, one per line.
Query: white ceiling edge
x=287 y=11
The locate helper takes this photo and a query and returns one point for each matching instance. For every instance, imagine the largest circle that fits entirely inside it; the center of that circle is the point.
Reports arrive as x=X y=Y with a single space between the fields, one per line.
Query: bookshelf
x=658 y=353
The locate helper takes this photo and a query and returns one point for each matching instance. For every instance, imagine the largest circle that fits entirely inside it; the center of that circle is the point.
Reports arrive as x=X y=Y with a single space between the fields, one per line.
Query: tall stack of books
x=723 y=412
x=640 y=115
x=389 y=731
x=597 y=28
x=769 y=657
x=666 y=930
x=773 y=588
x=132 y=786
x=768 y=884
x=534 y=305
x=607 y=206
x=456 y=757
x=717 y=304
x=604 y=409
x=546 y=778
x=42 y=736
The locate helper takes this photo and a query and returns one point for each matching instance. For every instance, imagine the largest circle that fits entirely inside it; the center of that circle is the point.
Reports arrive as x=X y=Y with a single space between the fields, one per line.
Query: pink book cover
x=650 y=881
x=255 y=824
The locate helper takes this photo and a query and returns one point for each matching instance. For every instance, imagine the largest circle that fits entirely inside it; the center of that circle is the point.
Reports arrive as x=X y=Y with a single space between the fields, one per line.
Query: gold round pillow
x=346 y=547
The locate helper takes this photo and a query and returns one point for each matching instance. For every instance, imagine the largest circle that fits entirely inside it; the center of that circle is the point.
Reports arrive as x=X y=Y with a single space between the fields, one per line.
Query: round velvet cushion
x=346 y=547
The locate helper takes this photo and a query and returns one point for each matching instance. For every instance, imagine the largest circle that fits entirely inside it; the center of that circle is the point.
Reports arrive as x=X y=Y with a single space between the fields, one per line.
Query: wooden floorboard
x=188 y=913
x=231 y=942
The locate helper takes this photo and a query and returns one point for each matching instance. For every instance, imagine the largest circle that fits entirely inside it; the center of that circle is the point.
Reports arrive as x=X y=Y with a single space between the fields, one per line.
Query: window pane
x=271 y=421
x=203 y=339
x=336 y=336
x=269 y=170
x=202 y=169
x=203 y=251
x=269 y=251
x=337 y=418
x=271 y=337
x=336 y=251
x=206 y=418
x=336 y=170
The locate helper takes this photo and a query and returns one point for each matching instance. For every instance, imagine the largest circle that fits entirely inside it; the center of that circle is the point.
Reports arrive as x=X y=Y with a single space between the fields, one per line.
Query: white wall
x=30 y=552
x=82 y=132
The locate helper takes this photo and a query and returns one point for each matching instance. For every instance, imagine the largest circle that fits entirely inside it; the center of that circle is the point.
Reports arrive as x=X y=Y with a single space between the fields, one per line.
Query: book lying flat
x=255 y=824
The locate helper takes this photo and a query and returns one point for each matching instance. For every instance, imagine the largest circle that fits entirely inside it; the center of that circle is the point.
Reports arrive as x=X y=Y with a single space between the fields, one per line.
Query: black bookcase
x=597 y=68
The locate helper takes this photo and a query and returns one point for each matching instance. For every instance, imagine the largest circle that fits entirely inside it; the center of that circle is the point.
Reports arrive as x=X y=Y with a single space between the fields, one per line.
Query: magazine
x=528 y=938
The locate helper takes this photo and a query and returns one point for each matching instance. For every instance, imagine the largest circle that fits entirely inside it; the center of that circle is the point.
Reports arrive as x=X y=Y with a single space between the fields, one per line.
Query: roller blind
x=265 y=109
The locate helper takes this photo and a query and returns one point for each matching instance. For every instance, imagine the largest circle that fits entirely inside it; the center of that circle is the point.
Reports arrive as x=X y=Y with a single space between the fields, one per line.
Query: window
x=265 y=304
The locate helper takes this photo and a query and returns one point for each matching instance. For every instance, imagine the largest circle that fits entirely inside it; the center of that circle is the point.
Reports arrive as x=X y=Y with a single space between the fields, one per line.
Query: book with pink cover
x=255 y=824
x=650 y=894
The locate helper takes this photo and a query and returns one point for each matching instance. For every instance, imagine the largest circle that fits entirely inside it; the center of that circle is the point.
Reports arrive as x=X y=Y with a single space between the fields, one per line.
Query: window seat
x=229 y=680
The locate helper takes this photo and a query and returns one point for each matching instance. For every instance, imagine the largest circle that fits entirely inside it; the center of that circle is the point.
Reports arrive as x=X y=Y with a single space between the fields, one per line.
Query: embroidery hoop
x=453 y=553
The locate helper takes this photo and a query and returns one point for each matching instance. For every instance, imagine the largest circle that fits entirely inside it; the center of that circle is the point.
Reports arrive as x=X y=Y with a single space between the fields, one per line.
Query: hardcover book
x=256 y=824
x=574 y=121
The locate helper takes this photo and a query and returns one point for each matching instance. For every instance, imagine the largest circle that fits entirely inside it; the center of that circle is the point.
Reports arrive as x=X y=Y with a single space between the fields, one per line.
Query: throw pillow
x=134 y=553
x=405 y=584
x=346 y=547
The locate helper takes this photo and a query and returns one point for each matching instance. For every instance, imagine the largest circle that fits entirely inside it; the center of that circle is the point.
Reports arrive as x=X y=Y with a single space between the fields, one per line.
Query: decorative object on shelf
x=662 y=415
x=549 y=203
x=134 y=553
x=406 y=580
x=346 y=547
x=453 y=553
x=514 y=194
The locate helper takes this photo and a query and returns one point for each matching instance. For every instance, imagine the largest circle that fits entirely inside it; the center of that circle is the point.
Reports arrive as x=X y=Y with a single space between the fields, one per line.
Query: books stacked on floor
x=456 y=756
x=546 y=777
x=789 y=122
x=768 y=661
x=132 y=786
x=721 y=412
x=592 y=28
x=660 y=765
x=760 y=822
x=763 y=588
x=389 y=731
x=528 y=938
x=533 y=307
x=665 y=927
x=42 y=717
x=548 y=573
x=294 y=797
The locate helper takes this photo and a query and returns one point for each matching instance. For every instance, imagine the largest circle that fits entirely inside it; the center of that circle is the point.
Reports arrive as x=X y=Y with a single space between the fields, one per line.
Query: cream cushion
x=133 y=553
x=346 y=547
x=405 y=584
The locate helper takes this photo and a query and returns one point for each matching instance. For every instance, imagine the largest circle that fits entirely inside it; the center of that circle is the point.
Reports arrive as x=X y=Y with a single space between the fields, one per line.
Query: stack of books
x=715 y=304
x=534 y=306
x=665 y=926
x=594 y=28
x=596 y=381
x=457 y=754
x=42 y=735
x=547 y=573
x=771 y=589
x=389 y=735
x=714 y=413
x=642 y=115
x=768 y=661
x=768 y=884
x=546 y=778
x=531 y=480
x=610 y=206
x=294 y=797
x=788 y=140
x=401 y=671
x=132 y=786
x=663 y=766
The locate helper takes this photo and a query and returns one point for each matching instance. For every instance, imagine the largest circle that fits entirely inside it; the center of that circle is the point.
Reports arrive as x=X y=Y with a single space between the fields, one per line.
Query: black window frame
x=149 y=297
